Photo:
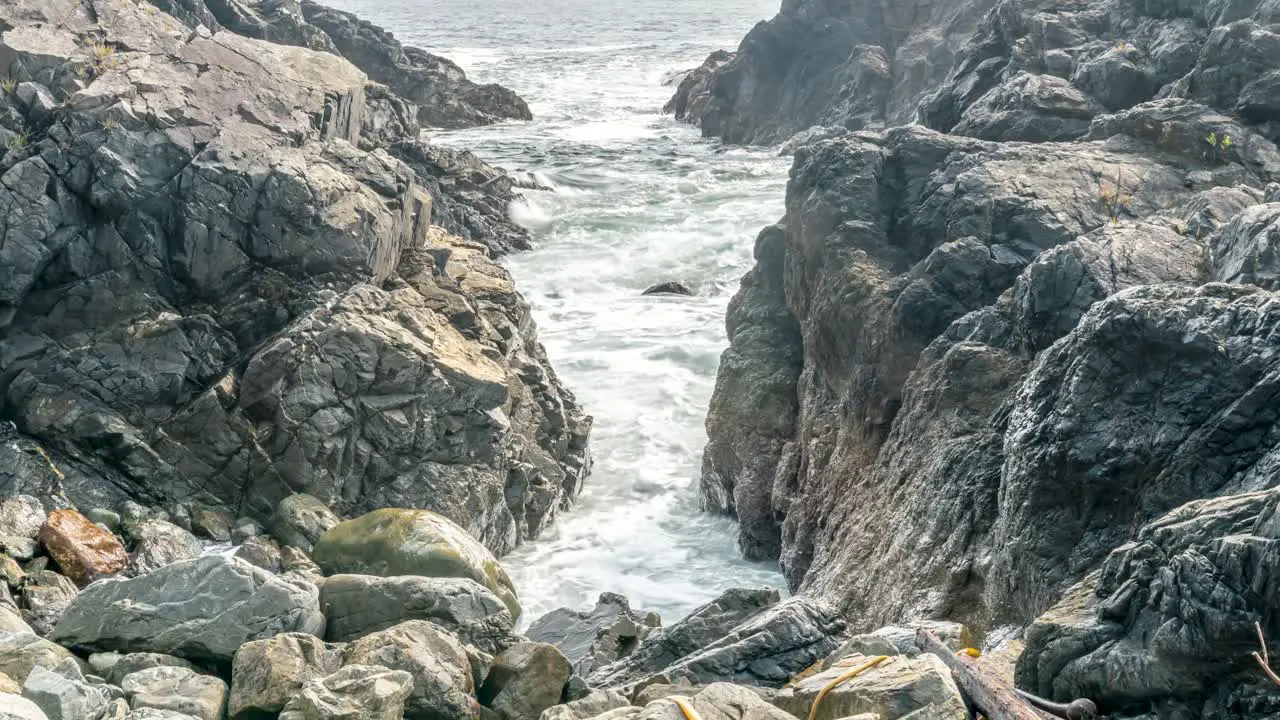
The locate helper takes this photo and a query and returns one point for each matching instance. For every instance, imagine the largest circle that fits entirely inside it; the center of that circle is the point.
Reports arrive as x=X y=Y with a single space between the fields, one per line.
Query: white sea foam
x=639 y=199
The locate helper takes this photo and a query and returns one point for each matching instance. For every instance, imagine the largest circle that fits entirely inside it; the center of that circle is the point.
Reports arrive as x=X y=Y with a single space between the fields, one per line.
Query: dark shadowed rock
x=608 y=632
x=668 y=288
x=694 y=93
x=525 y=680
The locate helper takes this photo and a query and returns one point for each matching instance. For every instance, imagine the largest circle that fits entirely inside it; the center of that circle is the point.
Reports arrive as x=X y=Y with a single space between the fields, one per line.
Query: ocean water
x=639 y=199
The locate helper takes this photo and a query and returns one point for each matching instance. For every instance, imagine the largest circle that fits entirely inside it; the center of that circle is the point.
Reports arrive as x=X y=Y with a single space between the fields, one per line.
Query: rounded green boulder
x=396 y=541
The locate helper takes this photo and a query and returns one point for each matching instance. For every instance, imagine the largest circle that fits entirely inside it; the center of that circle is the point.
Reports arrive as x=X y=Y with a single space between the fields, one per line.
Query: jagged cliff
x=985 y=351
x=231 y=271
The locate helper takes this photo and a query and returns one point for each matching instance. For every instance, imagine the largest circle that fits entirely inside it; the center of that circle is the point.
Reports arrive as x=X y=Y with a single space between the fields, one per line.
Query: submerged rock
x=412 y=542
x=668 y=288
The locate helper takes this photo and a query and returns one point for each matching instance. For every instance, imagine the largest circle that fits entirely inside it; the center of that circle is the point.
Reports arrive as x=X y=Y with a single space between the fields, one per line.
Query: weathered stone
x=62 y=697
x=894 y=688
x=177 y=689
x=211 y=523
x=82 y=550
x=596 y=703
x=267 y=673
x=157 y=543
x=301 y=520
x=21 y=516
x=299 y=564
x=201 y=609
x=442 y=681
x=106 y=518
x=732 y=639
x=610 y=631
x=895 y=640
x=412 y=542
x=261 y=551
x=45 y=596
x=525 y=681
x=22 y=652
x=356 y=692
x=357 y=605
x=9 y=685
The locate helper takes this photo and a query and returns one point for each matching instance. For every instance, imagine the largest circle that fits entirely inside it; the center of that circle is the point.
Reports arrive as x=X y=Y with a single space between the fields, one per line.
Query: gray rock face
x=442 y=681
x=356 y=691
x=261 y=551
x=909 y=327
x=125 y=665
x=157 y=543
x=1168 y=621
x=16 y=707
x=998 y=69
x=357 y=605
x=200 y=229
x=201 y=610
x=730 y=640
x=609 y=632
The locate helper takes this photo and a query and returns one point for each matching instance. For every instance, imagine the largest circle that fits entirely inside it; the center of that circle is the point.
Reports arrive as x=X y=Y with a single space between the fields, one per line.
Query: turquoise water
x=639 y=199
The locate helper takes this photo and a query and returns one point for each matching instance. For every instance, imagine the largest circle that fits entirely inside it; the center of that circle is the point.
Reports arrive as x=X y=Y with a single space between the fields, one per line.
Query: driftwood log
x=992 y=696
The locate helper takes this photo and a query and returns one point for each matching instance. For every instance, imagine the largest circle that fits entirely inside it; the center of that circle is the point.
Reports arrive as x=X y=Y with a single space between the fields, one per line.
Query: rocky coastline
x=1003 y=361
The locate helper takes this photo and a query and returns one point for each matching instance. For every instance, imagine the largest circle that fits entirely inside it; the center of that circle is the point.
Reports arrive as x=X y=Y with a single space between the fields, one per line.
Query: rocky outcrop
x=996 y=69
x=216 y=294
x=441 y=90
x=1167 y=623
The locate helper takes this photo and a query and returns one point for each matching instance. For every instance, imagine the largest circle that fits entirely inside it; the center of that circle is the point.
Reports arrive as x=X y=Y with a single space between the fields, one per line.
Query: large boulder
x=16 y=707
x=356 y=692
x=442 y=680
x=301 y=520
x=894 y=688
x=265 y=674
x=357 y=605
x=177 y=689
x=157 y=543
x=730 y=640
x=608 y=632
x=525 y=681
x=82 y=550
x=412 y=542
x=202 y=610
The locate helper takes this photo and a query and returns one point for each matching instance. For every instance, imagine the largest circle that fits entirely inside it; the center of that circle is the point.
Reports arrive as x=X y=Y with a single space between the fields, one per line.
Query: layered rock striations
x=221 y=283
x=1020 y=309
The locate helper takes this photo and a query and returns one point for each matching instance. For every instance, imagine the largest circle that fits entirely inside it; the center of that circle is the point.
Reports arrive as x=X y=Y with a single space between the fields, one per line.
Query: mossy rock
x=393 y=542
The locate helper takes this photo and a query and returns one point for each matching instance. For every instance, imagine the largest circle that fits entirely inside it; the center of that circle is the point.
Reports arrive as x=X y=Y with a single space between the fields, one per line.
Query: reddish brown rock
x=81 y=549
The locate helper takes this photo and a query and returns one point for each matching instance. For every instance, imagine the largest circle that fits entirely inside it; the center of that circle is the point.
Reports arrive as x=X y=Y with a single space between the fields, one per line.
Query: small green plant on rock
x=104 y=56
x=1219 y=146
x=110 y=126
x=8 y=84
x=17 y=141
